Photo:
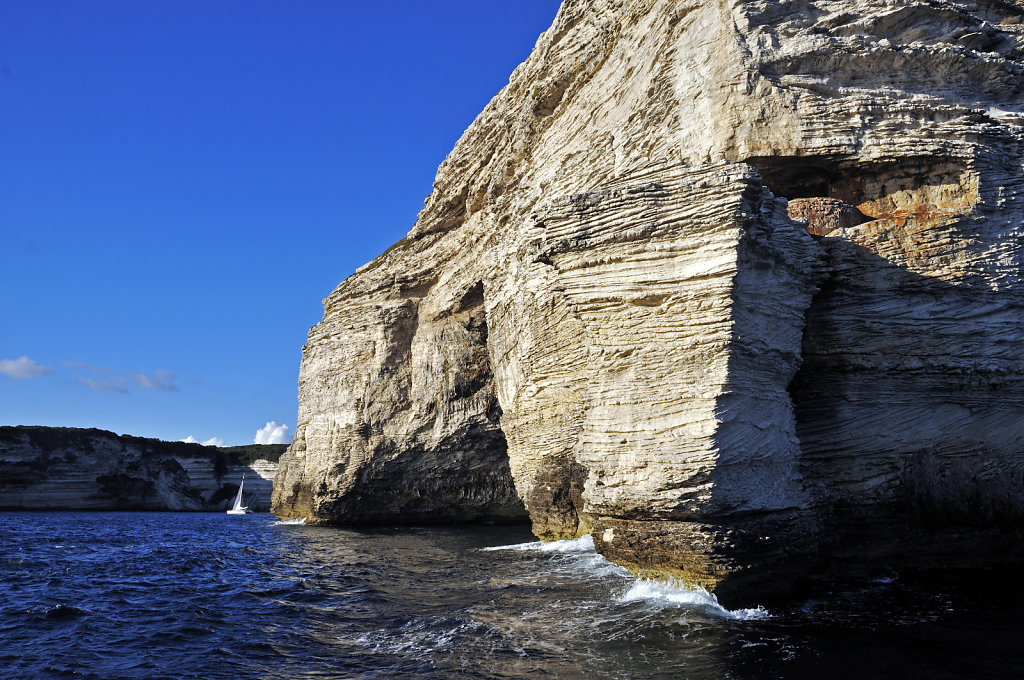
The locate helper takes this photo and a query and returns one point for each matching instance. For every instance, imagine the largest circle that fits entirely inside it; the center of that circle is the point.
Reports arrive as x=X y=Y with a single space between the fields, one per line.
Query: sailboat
x=238 y=508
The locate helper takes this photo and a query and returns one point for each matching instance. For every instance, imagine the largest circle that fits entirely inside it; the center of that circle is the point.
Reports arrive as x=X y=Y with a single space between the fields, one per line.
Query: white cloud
x=23 y=367
x=272 y=433
x=212 y=441
x=159 y=380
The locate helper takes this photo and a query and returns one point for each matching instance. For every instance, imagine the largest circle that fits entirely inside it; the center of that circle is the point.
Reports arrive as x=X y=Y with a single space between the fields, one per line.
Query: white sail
x=238 y=496
x=238 y=508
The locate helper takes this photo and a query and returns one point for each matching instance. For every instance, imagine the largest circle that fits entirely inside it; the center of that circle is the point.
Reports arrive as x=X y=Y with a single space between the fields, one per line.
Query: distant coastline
x=62 y=468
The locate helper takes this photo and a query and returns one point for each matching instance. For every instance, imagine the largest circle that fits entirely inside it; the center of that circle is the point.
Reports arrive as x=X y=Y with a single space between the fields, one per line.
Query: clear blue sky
x=182 y=183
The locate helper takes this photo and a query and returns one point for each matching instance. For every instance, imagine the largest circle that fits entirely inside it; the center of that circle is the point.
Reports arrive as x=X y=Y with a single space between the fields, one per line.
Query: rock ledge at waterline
x=733 y=286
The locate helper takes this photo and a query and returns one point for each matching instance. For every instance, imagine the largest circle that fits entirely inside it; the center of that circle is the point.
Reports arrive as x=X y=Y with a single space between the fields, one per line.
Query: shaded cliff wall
x=217 y=487
x=76 y=469
x=672 y=362
x=910 y=396
x=398 y=420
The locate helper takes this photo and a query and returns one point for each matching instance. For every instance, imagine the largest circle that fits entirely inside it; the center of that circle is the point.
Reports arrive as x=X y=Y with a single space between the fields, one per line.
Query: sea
x=191 y=595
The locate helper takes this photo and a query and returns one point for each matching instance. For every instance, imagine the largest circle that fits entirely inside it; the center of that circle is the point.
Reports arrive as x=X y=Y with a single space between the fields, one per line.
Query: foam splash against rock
x=659 y=593
x=669 y=594
x=583 y=544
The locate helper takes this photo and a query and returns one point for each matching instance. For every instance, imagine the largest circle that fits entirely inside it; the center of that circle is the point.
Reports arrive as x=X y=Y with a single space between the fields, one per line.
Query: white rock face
x=605 y=303
x=72 y=469
x=684 y=292
x=218 y=490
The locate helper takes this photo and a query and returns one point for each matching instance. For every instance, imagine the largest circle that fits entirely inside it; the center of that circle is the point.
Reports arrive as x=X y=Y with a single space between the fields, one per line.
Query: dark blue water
x=162 y=595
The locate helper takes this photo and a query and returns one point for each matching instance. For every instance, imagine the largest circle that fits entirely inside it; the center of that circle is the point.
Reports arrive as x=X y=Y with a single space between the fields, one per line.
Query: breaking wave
x=669 y=594
x=656 y=592
x=583 y=544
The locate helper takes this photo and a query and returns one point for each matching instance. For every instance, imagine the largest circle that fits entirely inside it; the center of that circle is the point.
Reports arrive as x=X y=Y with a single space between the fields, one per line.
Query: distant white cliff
x=43 y=468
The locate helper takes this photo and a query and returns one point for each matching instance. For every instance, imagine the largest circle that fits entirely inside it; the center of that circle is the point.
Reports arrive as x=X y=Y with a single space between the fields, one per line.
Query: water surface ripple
x=168 y=595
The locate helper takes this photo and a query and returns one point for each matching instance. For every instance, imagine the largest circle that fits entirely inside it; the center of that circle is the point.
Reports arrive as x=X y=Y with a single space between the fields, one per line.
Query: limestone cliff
x=722 y=283
x=44 y=468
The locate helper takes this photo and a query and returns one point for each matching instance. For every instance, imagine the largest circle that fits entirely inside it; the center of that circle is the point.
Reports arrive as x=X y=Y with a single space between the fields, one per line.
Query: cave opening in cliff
x=849 y=192
x=816 y=189
x=798 y=177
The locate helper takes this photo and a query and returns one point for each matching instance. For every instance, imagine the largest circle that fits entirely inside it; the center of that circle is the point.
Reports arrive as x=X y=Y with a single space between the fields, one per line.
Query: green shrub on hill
x=245 y=455
x=83 y=440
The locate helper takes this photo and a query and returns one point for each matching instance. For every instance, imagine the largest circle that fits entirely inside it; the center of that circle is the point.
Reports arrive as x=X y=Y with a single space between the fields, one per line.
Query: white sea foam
x=598 y=565
x=290 y=522
x=666 y=593
x=425 y=636
x=657 y=592
x=583 y=544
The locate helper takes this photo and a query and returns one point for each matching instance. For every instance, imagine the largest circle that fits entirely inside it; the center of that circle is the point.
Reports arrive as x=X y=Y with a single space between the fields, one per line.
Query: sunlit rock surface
x=725 y=284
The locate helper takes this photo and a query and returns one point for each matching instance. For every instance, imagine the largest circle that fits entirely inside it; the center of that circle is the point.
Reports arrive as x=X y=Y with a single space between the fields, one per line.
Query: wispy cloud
x=162 y=381
x=272 y=433
x=22 y=368
x=159 y=380
x=103 y=385
x=212 y=441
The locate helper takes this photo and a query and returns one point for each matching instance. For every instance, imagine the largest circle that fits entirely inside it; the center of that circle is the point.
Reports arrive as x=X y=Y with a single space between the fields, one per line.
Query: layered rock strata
x=716 y=282
x=76 y=469
x=398 y=418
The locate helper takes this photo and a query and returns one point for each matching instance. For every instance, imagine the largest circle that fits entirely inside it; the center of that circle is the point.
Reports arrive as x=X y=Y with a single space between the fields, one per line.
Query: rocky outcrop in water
x=50 y=468
x=726 y=284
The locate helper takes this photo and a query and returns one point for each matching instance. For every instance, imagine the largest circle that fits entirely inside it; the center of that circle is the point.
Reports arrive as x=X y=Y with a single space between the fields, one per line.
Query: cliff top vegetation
x=51 y=439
